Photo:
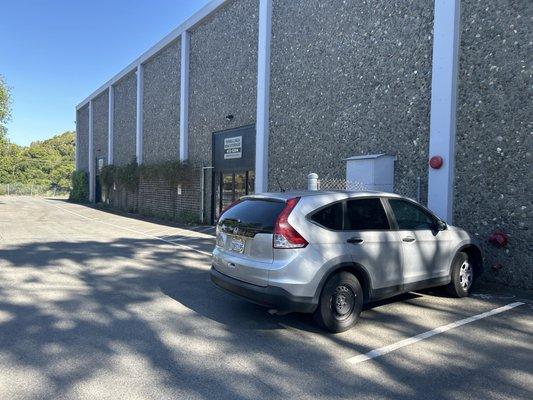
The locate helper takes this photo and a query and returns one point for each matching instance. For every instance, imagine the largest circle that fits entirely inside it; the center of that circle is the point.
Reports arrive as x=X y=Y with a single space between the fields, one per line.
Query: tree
x=5 y=109
x=47 y=163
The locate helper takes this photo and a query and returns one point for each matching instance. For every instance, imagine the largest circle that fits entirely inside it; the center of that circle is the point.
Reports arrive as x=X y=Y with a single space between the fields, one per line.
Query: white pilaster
x=139 y=126
x=184 y=96
x=110 y=124
x=446 y=44
x=92 y=178
x=263 y=96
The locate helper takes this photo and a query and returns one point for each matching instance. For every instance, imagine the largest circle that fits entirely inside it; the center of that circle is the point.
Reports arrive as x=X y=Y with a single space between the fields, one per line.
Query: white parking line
x=406 y=342
x=128 y=229
x=205 y=229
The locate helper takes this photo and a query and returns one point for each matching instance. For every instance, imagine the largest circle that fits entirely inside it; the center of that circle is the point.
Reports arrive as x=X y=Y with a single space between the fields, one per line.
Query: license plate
x=237 y=245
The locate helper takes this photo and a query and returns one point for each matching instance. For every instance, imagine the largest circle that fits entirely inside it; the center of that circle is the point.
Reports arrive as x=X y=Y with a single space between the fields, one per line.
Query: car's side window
x=365 y=214
x=409 y=216
x=329 y=217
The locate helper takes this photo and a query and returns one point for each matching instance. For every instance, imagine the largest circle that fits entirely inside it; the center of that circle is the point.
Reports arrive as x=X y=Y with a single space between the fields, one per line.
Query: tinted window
x=252 y=216
x=329 y=217
x=364 y=214
x=410 y=216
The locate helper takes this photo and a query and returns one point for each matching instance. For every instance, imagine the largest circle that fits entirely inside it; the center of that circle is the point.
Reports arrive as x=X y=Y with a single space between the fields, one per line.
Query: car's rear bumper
x=269 y=296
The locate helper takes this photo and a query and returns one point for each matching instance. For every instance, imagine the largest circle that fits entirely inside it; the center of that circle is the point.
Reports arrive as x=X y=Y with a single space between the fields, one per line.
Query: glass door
x=231 y=186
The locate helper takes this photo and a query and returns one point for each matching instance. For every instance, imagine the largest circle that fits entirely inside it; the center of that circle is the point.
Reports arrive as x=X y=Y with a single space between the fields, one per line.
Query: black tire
x=340 y=304
x=463 y=276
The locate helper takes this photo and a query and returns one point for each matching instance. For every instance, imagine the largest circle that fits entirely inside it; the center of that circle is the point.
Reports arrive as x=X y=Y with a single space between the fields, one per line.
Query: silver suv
x=328 y=253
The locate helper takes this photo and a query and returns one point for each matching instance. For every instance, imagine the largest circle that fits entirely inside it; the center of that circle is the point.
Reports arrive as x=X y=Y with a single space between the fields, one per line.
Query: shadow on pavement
x=70 y=309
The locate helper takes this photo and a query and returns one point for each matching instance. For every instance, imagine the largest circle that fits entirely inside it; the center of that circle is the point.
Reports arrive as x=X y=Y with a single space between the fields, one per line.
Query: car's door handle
x=355 y=240
x=408 y=239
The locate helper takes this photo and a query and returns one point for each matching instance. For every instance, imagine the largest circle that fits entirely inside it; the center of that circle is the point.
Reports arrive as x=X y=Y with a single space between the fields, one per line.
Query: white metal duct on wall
x=374 y=171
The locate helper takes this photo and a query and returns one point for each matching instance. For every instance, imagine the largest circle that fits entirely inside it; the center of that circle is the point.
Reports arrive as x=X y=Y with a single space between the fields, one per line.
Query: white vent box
x=373 y=171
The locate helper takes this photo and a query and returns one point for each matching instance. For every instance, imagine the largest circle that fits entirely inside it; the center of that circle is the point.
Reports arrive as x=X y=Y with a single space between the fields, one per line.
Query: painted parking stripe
x=208 y=228
x=206 y=253
x=441 y=329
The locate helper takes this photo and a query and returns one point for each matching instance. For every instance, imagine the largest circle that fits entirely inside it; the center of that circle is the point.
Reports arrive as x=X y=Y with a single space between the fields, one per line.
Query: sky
x=55 y=53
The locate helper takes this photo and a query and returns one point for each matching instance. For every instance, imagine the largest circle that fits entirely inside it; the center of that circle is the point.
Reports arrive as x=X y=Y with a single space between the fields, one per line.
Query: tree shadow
x=71 y=309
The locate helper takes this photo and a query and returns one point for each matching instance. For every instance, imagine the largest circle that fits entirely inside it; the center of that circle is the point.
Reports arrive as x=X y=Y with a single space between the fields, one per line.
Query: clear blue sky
x=54 y=53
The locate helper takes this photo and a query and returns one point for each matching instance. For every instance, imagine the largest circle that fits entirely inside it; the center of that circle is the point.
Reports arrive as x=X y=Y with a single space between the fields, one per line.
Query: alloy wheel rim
x=343 y=302
x=466 y=275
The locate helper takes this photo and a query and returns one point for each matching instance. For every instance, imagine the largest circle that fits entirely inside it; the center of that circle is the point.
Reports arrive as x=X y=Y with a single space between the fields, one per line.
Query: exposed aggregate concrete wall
x=349 y=78
x=494 y=177
x=100 y=125
x=161 y=105
x=82 y=139
x=125 y=114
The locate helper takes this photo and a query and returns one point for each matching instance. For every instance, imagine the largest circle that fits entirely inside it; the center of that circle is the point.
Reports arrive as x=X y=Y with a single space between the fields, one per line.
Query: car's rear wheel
x=462 y=276
x=341 y=302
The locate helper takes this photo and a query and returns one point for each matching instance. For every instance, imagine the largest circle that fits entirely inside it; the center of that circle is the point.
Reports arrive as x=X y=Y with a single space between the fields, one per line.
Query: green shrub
x=79 y=192
x=174 y=172
x=188 y=218
x=127 y=175
x=107 y=176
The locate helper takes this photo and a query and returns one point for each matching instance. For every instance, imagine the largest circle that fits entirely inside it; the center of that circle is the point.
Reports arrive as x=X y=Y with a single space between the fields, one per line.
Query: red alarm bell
x=435 y=162
x=498 y=239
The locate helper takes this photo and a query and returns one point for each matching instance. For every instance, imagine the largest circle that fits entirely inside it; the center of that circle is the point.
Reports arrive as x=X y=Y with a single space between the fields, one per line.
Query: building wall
x=100 y=125
x=161 y=105
x=82 y=139
x=494 y=133
x=223 y=78
x=158 y=198
x=349 y=78
x=125 y=114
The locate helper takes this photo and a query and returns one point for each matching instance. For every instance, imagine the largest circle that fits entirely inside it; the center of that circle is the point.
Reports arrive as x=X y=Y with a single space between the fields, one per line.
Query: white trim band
x=190 y=23
x=110 y=124
x=91 y=160
x=446 y=44
x=263 y=96
x=139 y=115
x=184 y=96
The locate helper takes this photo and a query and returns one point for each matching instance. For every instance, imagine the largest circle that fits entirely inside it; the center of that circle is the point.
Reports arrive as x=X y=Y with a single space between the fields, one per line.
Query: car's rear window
x=252 y=216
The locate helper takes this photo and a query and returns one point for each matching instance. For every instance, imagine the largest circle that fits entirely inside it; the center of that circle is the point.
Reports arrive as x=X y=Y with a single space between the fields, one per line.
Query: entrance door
x=97 y=185
x=233 y=167
x=231 y=186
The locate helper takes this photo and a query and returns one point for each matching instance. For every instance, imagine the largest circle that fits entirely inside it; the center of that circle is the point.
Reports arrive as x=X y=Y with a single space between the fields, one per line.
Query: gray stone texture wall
x=100 y=125
x=124 y=128
x=223 y=78
x=82 y=139
x=494 y=134
x=161 y=105
x=349 y=78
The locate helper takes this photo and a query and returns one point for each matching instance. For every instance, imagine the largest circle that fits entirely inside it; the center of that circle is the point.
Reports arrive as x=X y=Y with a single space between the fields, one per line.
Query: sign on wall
x=232 y=147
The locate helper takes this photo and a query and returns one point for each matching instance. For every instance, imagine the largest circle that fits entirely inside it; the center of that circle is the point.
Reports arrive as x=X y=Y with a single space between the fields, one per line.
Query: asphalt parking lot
x=95 y=305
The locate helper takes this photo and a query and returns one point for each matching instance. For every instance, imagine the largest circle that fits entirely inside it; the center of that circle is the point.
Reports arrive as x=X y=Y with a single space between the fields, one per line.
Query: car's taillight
x=285 y=236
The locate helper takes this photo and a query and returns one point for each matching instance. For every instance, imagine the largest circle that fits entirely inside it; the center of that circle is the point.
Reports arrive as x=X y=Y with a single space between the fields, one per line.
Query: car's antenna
x=279 y=184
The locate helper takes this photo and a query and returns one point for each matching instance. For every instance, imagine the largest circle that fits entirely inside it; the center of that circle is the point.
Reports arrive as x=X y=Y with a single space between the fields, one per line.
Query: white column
x=263 y=96
x=92 y=179
x=110 y=124
x=446 y=44
x=139 y=126
x=76 y=141
x=184 y=97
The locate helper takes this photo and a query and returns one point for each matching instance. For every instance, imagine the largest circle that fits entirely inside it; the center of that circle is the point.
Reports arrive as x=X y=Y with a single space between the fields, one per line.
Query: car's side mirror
x=441 y=225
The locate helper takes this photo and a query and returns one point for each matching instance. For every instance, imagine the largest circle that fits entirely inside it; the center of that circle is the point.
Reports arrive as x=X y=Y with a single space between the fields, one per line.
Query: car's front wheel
x=462 y=276
x=341 y=302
